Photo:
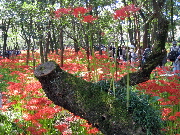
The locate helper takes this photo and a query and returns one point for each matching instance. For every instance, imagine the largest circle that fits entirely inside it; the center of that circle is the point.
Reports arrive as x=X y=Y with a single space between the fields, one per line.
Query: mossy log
x=85 y=99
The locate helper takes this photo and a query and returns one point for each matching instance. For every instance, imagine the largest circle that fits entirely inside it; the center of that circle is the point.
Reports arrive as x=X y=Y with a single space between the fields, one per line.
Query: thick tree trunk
x=85 y=99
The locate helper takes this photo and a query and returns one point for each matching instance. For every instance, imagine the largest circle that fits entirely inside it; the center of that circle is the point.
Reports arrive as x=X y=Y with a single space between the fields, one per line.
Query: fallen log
x=88 y=100
x=83 y=99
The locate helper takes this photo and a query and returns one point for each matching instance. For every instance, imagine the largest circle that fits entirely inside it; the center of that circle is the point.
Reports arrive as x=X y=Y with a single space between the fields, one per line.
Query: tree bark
x=61 y=43
x=5 y=27
x=85 y=99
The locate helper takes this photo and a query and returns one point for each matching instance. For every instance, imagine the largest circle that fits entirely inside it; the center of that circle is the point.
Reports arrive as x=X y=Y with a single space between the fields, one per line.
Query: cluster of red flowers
x=169 y=93
x=62 y=11
x=78 y=12
x=125 y=12
x=24 y=95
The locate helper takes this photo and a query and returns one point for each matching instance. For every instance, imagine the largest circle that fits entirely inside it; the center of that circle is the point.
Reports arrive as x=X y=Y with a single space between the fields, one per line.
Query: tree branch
x=84 y=99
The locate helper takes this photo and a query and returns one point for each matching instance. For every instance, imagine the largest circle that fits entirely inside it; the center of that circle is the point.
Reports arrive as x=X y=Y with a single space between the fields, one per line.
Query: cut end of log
x=45 y=68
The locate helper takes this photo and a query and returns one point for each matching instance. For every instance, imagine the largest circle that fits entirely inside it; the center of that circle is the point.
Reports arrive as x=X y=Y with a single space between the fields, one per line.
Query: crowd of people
x=10 y=53
x=129 y=54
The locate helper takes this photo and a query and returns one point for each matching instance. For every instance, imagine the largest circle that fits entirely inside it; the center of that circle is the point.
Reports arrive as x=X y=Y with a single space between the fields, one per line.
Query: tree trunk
x=61 y=42
x=146 y=36
x=28 y=42
x=85 y=99
x=172 y=20
x=41 y=48
x=5 y=27
x=47 y=44
x=5 y=46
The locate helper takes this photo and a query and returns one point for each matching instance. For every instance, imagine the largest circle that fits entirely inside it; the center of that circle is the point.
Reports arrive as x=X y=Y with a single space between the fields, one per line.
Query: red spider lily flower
x=71 y=118
x=89 y=19
x=41 y=131
x=161 y=99
x=31 y=129
x=166 y=103
x=16 y=120
x=80 y=11
x=125 y=12
x=61 y=11
x=57 y=15
x=46 y=112
x=174 y=99
x=41 y=100
x=166 y=111
x=33 y=89
x=177 y=114
x=172 y=118
x=1 y=76
x=35 y=131
x=31 y=107
x=132 y=8
x=14 y=88
x=61 y=127
x=93 y=131
x=86 y=125
x=27 y=116
x=172 y=91
x=67 y=133
x=120 y=14
x=65 y=10
x=36 y=123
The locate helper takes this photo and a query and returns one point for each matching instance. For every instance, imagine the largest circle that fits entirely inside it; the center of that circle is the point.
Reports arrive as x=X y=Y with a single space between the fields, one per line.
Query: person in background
x=173 y=54
x=124 y=53
x=176 y=68
x=164 y=61
x=174 y=47
x=139 y=53
x=146 y=54
x=132 y=57
x=119 y=53
x=114 y=51
x=110 y=51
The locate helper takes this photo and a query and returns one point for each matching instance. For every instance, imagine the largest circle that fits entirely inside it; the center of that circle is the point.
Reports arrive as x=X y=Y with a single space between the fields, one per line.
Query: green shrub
x=143 y=113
